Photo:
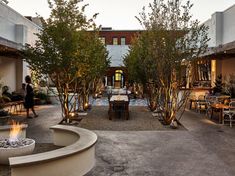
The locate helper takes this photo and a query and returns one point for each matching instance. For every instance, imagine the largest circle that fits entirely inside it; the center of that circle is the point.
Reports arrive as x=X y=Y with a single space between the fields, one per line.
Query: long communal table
x=119 y=105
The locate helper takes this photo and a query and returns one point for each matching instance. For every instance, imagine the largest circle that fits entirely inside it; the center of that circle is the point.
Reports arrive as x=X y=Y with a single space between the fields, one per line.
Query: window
x=102 y=39
x=203 y=70
x=115 y=41
x=123 y=41
x=118 y=75
x=201 y=73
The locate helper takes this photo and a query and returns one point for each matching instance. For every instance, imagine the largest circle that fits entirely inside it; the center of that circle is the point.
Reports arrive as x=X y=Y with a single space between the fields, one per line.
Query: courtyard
x=115 y=98
x=200 y=147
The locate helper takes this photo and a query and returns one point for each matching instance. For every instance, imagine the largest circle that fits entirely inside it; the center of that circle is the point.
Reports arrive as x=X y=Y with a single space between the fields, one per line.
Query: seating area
x=12 y=106
x=229 y=113
x=221 y=105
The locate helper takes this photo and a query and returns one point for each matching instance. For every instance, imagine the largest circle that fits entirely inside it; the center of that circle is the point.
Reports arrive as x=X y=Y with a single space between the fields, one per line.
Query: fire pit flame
x=15 y=145
x=15 y=132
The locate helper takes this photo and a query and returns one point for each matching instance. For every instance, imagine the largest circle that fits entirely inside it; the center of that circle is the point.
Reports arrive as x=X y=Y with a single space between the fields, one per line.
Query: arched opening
x=118 y=79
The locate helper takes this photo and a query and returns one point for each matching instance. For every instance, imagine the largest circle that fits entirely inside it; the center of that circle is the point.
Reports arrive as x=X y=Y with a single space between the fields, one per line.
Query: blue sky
x=119 y=14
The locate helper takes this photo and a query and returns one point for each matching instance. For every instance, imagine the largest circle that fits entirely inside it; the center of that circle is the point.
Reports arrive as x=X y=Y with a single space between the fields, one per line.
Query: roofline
x=20 y=14
x=10 y=44
x=218 y=12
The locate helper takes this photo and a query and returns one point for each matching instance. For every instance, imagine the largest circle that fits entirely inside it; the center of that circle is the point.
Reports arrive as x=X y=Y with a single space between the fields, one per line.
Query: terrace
x=200 y=146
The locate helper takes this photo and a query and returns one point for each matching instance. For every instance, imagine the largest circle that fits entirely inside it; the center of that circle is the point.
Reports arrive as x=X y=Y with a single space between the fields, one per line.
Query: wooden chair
x=192 y=101
x=201 y=103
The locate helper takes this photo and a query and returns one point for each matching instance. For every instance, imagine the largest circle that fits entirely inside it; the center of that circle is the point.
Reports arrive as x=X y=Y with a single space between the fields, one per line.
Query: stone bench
x=75 y=159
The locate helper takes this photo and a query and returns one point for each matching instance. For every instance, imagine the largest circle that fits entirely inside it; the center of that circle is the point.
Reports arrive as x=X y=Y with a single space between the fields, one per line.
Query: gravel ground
x=141 y=119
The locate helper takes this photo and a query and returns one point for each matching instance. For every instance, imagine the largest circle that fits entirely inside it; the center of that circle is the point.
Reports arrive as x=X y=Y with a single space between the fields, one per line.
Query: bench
x=76 y=157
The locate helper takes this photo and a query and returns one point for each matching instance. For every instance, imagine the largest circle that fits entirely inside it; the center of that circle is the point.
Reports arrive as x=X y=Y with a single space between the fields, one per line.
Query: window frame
x=124 y=41
x=113 y=40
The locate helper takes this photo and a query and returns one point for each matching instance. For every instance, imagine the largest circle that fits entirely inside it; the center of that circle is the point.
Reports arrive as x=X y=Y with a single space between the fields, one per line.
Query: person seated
x=20 y=94
x=6 y=94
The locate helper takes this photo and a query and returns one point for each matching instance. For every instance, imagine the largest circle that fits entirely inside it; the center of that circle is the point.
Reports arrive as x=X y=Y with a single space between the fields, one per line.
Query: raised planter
x=82 y=113
x=75 y=159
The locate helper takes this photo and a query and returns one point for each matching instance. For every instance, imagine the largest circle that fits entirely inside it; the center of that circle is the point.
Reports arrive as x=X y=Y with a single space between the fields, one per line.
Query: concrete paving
x=206 y=148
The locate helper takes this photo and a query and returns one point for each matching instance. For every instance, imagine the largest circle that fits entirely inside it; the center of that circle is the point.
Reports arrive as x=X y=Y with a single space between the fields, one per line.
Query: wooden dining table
x=220 y=108
x=119 y=98
x=119 y=102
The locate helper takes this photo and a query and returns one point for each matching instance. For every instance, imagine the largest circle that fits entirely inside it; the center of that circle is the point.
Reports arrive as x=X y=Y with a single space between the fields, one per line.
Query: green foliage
x=41 y=95
x=170 y=38
x=229 y=85
x=218 y=85
x=66 y=51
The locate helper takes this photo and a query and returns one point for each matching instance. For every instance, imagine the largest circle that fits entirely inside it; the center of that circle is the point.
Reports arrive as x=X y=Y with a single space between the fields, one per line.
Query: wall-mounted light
x=213 y=72
x=213 y=65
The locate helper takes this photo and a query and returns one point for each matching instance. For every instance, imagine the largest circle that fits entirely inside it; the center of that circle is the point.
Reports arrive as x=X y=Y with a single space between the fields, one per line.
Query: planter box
x=82 y=113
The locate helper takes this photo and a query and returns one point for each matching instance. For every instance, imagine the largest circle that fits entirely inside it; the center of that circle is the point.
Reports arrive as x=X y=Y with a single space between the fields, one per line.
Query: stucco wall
x=8 y=72
x=221 y=27
x=229 y=25
x=10 y=20
x=211 y=33
x=228 y=66
x=116 y=54
x=18 y=29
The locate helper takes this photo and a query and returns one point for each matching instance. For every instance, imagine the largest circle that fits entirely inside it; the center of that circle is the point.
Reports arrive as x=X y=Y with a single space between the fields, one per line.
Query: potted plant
x=217 y=90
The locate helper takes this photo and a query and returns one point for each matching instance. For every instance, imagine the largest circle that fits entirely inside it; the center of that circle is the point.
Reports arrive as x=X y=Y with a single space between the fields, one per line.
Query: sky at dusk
x=119 y=14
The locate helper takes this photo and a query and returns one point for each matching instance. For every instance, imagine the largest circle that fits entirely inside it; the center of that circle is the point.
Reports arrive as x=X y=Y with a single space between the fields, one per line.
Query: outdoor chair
x=228 y=114
x=201 y=103
x=208 y=108
x=192 y=101
x=209 y=101
x=5 y=102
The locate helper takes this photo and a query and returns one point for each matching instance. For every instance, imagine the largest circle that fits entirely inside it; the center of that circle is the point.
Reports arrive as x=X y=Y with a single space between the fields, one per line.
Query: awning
x=226 y=50
x=9 y=48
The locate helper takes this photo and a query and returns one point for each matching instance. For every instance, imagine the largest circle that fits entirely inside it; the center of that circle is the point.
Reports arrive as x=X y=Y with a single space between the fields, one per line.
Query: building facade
x=220 y=57
x=15 y=31
x=117 y=43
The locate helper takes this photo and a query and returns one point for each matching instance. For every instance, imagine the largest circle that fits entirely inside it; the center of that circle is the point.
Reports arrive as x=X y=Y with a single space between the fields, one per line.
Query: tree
x=67 y=52
x=5 y=1
x=169 y=40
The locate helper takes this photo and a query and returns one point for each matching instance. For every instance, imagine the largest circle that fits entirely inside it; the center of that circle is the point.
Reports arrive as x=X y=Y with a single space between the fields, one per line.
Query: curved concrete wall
x=76 y=159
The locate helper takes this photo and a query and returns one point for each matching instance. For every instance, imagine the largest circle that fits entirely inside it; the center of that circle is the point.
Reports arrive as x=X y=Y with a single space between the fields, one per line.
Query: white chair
x=209 y=101
x=228 y=114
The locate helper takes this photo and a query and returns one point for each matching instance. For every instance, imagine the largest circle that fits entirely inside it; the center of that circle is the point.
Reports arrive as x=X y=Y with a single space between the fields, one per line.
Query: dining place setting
x=225 y=106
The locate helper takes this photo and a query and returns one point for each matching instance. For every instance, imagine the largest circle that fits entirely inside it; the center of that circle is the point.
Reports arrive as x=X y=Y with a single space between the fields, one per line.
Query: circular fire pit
x=17 y=148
